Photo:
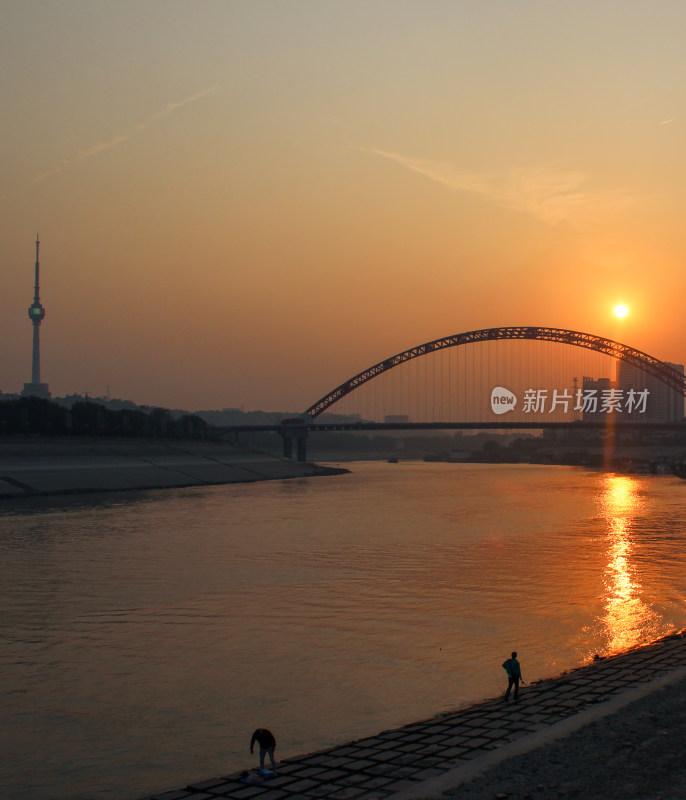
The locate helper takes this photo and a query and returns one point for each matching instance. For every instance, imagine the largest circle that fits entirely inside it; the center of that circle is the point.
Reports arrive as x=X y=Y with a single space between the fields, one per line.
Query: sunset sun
x=621 y=310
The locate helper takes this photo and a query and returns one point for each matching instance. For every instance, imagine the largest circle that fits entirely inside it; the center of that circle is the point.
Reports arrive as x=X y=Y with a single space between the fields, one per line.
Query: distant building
x=593 y=389
x=36 y=315
x=676 y=401
x=396 y=419
x=664 y=403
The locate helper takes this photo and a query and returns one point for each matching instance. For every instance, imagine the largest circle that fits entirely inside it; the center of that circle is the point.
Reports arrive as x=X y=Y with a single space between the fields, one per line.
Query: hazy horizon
x=245 y=203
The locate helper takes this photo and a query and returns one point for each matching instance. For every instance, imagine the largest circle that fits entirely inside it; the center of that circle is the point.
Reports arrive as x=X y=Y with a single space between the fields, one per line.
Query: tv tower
x=36 y=315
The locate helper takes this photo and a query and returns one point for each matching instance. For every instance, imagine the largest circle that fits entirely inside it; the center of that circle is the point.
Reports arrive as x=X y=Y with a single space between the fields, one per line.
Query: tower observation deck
x=36 y=314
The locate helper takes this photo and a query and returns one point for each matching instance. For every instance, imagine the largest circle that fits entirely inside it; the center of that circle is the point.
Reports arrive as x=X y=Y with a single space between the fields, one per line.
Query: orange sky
x=245 y=203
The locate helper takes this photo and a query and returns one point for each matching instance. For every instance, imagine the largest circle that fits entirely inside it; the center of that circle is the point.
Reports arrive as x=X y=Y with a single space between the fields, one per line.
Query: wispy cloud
x=96 y=148
x=544 y=192
x=88 y=152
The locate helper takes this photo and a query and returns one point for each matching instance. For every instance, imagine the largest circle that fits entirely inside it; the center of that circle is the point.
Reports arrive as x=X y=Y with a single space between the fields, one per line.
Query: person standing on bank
x=267 y=743
x=514 y=676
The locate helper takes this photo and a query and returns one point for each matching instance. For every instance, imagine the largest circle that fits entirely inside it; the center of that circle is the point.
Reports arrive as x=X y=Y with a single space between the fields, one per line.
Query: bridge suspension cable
x=649 y=364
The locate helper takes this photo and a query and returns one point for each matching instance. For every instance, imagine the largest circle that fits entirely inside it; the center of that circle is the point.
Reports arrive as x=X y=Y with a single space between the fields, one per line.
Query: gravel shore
x=636 y=753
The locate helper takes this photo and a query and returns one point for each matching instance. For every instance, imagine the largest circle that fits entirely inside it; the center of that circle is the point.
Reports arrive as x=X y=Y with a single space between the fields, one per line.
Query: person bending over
x=267 y=743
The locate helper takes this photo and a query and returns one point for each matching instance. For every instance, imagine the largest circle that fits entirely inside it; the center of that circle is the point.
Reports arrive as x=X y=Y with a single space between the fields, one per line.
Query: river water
x=146 y=635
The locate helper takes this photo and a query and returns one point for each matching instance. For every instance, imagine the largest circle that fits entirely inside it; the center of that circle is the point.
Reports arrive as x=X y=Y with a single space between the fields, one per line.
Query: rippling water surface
x=145 y=636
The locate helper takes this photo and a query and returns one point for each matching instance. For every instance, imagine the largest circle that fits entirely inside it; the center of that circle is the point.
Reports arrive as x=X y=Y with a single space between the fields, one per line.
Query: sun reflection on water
x=628 y=621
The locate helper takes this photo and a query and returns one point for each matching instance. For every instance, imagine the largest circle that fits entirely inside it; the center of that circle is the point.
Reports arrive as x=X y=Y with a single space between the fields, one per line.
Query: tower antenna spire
x=36 y=288
x=36 y=315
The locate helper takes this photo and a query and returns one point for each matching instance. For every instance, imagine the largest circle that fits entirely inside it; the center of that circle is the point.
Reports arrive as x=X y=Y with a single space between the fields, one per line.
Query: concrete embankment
x=59 y=466
x=614 y=729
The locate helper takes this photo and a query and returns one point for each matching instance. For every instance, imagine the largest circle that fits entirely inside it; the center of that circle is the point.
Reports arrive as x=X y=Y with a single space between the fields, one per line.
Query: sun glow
x=621 y=310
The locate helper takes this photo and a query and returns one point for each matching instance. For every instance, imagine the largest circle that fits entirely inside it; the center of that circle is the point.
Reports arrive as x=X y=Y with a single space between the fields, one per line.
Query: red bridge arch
x=650 y=364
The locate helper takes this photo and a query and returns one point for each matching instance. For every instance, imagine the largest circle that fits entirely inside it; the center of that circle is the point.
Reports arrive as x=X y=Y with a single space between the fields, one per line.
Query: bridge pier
x=294 y=432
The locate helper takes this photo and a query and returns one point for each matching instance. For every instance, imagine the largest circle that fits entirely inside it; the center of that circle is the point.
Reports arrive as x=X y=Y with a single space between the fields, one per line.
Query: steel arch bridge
x=650 y=364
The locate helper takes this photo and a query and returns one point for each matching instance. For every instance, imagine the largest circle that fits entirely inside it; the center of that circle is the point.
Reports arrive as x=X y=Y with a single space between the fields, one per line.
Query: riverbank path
x=397 y=762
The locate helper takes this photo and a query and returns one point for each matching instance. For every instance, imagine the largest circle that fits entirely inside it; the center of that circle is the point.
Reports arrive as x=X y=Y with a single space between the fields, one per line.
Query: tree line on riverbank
x=35 y=416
